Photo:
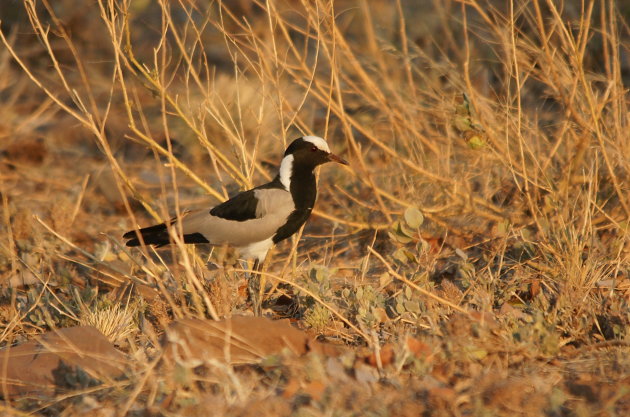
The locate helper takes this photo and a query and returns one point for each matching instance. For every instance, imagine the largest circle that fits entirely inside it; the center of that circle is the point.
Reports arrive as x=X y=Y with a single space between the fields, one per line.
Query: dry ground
x=472 y=260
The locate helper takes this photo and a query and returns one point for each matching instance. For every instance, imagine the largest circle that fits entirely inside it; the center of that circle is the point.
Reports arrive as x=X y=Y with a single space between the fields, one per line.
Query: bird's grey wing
x=273 y=208
x=273 y=202
x=241 y=207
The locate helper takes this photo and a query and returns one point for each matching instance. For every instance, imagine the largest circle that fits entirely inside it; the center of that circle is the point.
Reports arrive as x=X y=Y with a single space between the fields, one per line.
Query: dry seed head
x=115 y=322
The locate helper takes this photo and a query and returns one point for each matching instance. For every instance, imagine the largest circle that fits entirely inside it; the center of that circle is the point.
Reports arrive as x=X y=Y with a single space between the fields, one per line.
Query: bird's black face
x=311 y=151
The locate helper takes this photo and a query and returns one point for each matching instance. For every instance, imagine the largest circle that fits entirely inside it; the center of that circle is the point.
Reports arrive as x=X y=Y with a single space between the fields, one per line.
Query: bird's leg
x=254 y=288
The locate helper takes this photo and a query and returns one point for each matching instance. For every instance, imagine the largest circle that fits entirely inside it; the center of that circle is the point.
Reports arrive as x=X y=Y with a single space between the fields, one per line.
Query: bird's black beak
x=335 y=158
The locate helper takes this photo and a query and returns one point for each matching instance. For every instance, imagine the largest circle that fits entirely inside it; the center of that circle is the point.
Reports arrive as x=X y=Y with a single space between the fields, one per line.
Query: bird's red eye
x=314 y=148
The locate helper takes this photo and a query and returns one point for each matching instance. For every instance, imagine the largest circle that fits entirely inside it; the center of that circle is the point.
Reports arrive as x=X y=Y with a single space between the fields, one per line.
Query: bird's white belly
x=257 y=250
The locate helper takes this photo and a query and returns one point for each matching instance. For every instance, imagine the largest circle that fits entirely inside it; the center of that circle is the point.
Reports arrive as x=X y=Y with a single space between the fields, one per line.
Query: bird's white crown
x=317 y=141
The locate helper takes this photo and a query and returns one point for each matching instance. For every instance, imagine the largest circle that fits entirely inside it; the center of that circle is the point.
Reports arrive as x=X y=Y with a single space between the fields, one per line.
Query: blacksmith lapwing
x=253 y=220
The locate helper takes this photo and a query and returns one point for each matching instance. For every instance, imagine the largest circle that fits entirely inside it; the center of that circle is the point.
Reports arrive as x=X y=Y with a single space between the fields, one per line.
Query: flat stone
x=62 y=359
x=237 y=340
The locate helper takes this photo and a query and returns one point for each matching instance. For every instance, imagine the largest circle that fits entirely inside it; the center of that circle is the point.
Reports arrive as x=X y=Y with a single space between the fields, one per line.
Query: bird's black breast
x=293 y=224
x=304 y=192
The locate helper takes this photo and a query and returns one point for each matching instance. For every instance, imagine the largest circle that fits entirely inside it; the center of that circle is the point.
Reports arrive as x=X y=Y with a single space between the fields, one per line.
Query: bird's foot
x=254 y=294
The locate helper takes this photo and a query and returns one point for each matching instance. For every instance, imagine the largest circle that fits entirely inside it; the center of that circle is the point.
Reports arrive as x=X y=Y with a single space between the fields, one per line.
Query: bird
x=253 y=221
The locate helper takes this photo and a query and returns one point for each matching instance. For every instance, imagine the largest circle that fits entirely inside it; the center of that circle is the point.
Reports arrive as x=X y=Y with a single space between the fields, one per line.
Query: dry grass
x=117 y=113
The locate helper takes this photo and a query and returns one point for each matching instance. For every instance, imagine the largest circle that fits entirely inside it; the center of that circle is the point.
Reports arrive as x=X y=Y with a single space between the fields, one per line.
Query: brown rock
x=485 y=318
x=27 y=150
x=57 y=359
x=386 y=354
x=237 y=340
x=22 y=278
x=419 y=349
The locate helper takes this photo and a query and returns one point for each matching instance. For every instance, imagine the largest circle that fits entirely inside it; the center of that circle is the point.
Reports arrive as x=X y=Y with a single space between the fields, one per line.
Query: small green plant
x=366 y=304
x=405 y=233
x=317 y=282
x=464 y=121
x=406 y=305
x=405 y=230
x=317 y=317
x=538 y=334
x=45 y=310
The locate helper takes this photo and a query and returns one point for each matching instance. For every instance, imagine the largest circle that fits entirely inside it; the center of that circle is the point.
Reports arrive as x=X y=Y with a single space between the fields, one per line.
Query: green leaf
x=404 y=230
x=408 y=293
x=385 y=279
x=401 y=256
x=476 y=142
x=414 y=217
x=462 y=123
x=397 y=234
x=412 y=257
x=412 y=306
x=321 y=274
x=398 y=238
x=503 y=227
x=477 y=353
x=400 y=308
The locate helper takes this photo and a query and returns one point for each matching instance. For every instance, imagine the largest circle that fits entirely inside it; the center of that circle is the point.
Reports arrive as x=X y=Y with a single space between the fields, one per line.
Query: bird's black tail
x=158 y=235
x=152 y=235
